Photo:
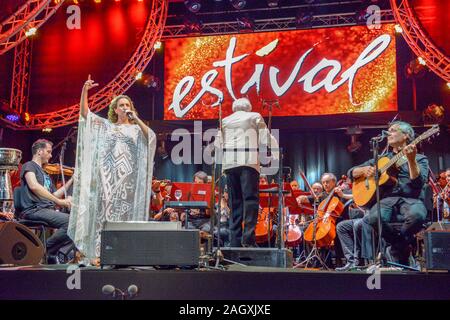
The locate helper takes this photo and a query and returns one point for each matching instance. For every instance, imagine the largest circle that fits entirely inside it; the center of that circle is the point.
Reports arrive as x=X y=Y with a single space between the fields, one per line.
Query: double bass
x=322 y=230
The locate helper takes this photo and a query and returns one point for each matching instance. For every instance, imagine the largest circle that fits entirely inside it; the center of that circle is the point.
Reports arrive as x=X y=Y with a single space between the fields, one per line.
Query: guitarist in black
x=400 y=200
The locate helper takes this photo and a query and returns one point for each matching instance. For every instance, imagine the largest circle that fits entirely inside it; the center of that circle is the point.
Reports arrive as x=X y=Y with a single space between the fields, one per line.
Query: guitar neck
x=420 y=138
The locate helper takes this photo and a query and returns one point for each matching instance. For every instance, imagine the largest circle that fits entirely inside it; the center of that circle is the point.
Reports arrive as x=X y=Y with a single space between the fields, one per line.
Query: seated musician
x=323 y=189
x=294 y=185
x=400 y=201
x=39 y=197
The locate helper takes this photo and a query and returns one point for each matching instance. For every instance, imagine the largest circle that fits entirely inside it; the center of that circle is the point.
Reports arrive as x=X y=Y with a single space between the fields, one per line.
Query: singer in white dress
x=113 y=171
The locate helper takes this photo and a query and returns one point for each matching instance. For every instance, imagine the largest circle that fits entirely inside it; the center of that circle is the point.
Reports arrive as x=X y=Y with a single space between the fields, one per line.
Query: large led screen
x=296 y=73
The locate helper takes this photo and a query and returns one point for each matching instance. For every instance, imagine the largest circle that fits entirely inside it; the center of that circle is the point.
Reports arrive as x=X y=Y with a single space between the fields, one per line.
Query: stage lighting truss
x=418 y=40
x=32 y=14
x=122 y=81
x=275 y=24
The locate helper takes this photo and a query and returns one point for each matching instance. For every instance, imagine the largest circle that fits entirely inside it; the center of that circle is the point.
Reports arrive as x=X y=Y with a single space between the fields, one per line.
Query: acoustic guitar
x=364 y=189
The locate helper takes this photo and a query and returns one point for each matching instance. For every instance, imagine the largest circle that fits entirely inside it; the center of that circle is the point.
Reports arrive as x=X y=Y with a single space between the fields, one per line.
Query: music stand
x=268 y=198
x=190 y=192
x=314 y=253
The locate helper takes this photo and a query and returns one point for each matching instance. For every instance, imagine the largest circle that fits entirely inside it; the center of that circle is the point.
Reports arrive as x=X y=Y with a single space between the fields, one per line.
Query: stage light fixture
x=98 y=1
x=422 y=61
x=245 y=23
x=304 y=19
x=398 y=28
x=448 y=85
x=414 y=69
x=13 y=117
x=31 y=32
x=238 y=4
x=193 y=6
x=138 y=75
x=272 y=3
x=157 y=45
x=26 y=117
x=47 y=130
x=192 y=25
x=151 y=82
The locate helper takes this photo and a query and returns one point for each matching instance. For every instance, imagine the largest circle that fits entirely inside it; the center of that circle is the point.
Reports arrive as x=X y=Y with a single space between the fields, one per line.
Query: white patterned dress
x=113 y=177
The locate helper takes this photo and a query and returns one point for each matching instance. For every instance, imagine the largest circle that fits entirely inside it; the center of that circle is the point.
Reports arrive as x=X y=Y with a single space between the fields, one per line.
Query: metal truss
x=274 y=24
x=30 y=15
x=419 y=41
x=123 y=80
x=21 y=77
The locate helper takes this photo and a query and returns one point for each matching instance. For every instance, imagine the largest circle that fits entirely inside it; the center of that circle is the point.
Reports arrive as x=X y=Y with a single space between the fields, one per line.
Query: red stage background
x=374 y=86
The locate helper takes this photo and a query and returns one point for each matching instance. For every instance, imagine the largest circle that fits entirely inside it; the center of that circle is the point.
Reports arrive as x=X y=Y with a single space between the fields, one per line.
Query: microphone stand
x=380 y=255
x=216 y=216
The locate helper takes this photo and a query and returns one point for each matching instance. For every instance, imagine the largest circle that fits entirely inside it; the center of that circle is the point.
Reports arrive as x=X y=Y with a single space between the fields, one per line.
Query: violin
x=55 y=168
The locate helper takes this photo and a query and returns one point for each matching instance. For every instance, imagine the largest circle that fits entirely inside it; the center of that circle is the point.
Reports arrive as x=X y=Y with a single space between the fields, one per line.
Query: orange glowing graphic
x=302 y=73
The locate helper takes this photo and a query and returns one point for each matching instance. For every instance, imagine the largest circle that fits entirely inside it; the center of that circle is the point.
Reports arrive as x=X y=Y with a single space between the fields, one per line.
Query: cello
x=321 y=229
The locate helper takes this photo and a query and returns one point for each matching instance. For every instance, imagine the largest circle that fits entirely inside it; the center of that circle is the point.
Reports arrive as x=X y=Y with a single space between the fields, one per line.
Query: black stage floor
x=236 y=283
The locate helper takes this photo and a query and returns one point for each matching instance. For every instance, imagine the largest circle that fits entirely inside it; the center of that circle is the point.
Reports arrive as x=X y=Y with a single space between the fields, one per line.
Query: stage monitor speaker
x=150 y=247
x=437 y=247
x=19 y=245
x=264 y=257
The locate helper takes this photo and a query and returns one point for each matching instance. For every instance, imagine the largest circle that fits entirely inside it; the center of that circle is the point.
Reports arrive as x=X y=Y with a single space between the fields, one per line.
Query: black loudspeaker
x=19 y=245
x=264 y=257
x=150 y=247
x=437 y=247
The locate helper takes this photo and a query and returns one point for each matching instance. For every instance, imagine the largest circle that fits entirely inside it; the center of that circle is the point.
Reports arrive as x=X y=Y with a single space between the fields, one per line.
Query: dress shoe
x=52 y=259
x=349 y=266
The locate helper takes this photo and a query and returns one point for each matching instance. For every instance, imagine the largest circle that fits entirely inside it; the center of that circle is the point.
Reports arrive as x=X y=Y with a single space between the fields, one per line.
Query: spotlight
x=26 y=117
x=98 y=1
x=47 y=130
x=245 y=23
x=157 y=45
x=398 y=28
x=448 y=85
x=422 y=61
x=192 y=25
x=238 y=4
x=272 y=3
x=31 y=32
x=304 y=19
x=415 y=69
x=433 y=114
x=193 y=6
x=13 y=117
x=138 y=76
x=151 y=82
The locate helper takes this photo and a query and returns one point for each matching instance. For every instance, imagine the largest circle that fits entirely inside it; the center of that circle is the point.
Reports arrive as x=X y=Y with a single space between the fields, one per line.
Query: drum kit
x=9 y=161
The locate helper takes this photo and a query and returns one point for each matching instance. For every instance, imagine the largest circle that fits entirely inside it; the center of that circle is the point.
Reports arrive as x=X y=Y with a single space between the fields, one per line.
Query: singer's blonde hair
x=112 y=115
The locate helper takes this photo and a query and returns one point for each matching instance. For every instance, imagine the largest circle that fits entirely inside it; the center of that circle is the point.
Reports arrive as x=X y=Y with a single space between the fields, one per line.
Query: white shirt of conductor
x=243 y=134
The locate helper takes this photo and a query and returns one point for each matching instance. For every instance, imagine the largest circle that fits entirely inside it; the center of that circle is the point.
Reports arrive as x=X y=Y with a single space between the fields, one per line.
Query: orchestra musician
x=400 y=201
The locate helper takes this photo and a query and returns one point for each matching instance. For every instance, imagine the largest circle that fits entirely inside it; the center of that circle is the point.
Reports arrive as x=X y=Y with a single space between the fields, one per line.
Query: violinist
x=38 y=197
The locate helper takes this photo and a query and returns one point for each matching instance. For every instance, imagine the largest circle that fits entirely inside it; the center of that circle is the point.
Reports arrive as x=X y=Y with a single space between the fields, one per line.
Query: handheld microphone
x=129 y=115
